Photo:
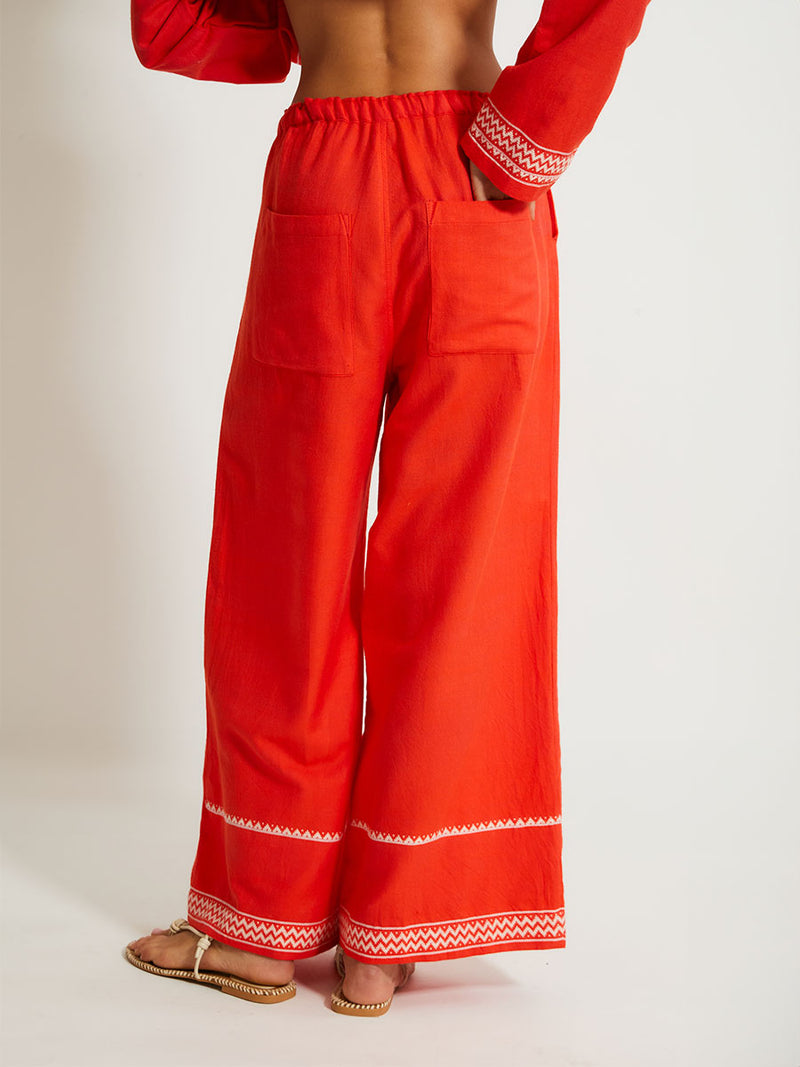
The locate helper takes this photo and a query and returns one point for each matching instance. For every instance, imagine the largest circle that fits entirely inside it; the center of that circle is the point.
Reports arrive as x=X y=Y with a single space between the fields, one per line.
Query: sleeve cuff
x=517 y=165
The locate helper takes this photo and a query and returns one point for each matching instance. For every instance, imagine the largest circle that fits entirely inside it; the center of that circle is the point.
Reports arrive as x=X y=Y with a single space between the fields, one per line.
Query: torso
x=379 y=47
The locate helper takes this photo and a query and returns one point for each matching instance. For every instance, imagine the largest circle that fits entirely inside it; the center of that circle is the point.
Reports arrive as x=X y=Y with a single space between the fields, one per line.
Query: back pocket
x=298 y=309
x=488 y=278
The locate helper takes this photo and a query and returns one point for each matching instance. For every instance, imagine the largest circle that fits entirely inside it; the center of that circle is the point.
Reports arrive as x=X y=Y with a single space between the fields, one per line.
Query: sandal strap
x=204 y=940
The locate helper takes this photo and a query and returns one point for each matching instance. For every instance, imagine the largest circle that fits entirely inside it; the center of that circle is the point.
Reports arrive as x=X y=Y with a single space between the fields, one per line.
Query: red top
x=523 y=137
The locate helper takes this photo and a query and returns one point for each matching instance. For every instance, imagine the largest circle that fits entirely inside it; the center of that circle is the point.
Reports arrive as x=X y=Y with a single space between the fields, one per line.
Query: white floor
x=650 y=977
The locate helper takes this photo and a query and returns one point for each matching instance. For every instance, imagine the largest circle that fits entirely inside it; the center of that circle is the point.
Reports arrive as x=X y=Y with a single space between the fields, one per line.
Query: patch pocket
x=487 y=277
x=298 y=309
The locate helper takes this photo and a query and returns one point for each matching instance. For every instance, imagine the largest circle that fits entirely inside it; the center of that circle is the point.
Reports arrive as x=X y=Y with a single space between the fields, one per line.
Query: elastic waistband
x=381 y=108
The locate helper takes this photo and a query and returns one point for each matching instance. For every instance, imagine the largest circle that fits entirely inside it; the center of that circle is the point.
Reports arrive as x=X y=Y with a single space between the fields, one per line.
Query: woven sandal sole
x=341 y=1004
x=226 y=983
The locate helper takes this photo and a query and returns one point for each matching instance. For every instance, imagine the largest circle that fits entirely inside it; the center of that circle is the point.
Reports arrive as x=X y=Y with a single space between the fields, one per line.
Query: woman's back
x=377 y=47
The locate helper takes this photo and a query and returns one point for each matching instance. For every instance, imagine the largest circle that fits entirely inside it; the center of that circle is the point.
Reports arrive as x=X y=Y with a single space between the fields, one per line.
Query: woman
x=405 y=253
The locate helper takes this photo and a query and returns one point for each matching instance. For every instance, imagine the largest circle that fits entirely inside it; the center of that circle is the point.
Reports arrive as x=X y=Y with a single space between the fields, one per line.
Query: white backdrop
x=130 y=200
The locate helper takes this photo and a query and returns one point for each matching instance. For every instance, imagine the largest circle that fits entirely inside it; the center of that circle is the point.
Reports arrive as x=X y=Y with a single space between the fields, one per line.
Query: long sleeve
x=540 y=109
x=216 y=40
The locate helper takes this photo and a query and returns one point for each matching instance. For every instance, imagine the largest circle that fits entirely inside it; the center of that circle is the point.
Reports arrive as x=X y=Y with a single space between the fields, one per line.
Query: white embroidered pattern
x=271 y=828
x=254 y=930
x=500 y=928
x=530 y=163
x=453 y=831
x=378 y=835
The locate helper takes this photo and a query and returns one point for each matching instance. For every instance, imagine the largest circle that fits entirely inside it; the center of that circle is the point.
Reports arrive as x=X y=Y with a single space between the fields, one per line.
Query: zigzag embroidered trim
x=500 y=928
x=255 y=930
x=527 y=161
x=453 y=831
x=271 y=828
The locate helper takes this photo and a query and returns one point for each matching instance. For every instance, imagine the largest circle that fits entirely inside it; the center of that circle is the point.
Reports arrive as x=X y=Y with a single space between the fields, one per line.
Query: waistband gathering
x=381 y=108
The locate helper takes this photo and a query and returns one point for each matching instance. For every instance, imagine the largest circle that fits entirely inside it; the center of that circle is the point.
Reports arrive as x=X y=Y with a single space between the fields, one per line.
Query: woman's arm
x=541 y=108
x=217 y=40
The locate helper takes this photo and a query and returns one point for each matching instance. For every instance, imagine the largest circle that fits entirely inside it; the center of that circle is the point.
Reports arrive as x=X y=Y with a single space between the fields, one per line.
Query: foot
x=177 y=950
x=370 y=983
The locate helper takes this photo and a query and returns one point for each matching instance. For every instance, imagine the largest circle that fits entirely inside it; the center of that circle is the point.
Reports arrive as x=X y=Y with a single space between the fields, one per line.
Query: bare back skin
x=378 y=47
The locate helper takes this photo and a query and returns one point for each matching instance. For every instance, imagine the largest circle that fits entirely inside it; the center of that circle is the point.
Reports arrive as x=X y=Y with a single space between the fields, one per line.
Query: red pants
x=375 y=276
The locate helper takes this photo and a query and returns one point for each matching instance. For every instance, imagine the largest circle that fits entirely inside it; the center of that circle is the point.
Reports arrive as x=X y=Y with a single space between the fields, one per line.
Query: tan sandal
x=341 y=1004
x=228 y=983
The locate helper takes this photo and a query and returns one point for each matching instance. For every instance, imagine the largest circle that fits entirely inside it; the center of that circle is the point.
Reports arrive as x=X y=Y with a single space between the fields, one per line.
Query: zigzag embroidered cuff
x=516 y=164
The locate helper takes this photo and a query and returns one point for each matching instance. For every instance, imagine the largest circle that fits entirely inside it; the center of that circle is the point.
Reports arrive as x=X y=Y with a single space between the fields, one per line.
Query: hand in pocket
x=483 y=188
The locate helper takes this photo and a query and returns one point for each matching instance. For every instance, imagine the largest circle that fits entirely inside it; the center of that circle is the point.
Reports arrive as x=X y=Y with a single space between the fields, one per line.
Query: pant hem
x=453 y=954
x=275 y=938
x=472 y=936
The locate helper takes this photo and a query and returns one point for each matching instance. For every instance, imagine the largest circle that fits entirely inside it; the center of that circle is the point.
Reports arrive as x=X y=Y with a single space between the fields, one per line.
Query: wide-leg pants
x=423 y=822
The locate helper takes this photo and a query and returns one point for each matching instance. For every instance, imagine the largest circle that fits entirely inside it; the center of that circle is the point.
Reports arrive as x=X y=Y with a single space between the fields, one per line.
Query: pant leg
x=454 y=843
x=283 y=655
